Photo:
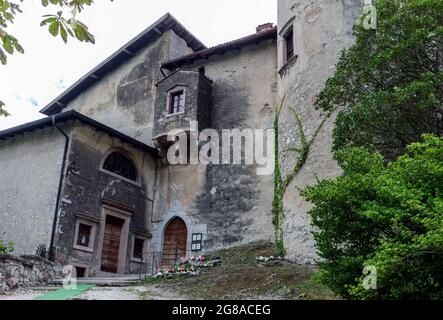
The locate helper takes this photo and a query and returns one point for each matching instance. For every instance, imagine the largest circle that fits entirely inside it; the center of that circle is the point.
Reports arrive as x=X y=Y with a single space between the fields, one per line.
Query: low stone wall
x=24 y=271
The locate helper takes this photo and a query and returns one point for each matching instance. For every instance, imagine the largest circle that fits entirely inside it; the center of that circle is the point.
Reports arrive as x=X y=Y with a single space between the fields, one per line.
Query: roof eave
x=74 y=115
x=123 y=54
x=220 y=49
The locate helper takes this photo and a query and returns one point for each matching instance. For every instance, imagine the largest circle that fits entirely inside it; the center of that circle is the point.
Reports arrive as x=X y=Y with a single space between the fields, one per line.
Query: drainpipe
x=60 y=186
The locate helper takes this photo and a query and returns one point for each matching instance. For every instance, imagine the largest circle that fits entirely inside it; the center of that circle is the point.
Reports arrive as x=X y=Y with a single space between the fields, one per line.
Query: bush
x=6 y=248
x=389 y=216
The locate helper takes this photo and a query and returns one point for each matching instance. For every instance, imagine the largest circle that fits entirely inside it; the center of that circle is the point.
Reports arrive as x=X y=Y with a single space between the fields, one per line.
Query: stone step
x=105 y=282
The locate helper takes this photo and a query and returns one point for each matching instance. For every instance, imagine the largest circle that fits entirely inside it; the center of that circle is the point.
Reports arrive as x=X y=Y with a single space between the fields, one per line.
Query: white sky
x=28 y=82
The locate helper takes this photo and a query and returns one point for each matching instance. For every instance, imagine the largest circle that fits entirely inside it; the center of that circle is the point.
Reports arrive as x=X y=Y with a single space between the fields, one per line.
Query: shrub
x=6 y=248
x=386 y=215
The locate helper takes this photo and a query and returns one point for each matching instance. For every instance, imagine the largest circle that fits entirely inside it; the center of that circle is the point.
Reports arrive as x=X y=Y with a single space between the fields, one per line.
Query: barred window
x=119 y=164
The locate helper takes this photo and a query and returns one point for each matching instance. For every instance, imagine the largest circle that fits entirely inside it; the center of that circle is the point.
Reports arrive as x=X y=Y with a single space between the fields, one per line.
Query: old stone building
x=91 y=180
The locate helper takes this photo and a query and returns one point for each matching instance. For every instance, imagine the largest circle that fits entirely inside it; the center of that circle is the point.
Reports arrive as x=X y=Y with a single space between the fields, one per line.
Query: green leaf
x=4 y=6
x=17 y=45
x=63 y=34
x=47 y=20
x=8 y=16
x=3 y=58
x=54 y=27
x=4 y=113
x=45 y=3
x=7 y=44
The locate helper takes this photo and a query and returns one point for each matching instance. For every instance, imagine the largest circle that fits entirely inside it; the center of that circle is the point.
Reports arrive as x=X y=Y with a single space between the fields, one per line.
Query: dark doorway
x=111 y=244
x=174 y=243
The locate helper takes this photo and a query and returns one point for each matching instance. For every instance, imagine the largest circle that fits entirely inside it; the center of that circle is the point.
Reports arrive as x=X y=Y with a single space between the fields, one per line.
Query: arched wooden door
x=174 y=243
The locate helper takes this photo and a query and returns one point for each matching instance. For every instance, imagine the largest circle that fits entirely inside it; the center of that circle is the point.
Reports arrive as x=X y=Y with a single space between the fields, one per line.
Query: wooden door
x=174 y=243
x=111 y=244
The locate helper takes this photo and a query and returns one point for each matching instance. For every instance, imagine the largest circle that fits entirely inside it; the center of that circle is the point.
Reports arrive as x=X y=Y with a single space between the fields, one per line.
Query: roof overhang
x=129 y=50
x=70 y=116
x=255 y=38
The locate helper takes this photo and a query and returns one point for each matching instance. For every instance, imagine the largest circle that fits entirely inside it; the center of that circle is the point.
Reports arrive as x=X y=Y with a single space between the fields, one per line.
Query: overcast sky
x=28 y=82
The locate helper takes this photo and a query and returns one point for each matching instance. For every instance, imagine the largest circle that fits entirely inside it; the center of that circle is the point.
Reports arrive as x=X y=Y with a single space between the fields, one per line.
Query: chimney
x=264 y=27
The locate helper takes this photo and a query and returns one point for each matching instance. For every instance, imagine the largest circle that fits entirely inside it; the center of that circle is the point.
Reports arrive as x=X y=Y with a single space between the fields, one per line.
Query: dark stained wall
x=87 y=188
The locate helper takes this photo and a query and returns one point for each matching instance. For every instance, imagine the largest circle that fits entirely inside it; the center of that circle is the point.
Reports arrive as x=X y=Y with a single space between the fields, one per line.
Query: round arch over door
x=174 y=242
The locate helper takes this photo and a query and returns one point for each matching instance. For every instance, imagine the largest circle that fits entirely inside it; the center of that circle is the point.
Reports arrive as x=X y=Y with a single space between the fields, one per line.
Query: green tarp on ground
x=65 y=294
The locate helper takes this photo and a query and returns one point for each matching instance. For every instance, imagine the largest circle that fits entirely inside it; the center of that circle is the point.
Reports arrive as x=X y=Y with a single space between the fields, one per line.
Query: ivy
x=280 y=184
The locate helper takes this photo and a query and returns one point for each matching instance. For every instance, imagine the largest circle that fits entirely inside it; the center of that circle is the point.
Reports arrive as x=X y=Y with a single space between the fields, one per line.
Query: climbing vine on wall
x=281 y=184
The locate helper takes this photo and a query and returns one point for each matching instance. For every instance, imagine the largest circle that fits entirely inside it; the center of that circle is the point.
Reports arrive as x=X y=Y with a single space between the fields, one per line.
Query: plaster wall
x=322 y=28
x=229 y=204
x=88 y=190
x=30 y=167
x=125 y=98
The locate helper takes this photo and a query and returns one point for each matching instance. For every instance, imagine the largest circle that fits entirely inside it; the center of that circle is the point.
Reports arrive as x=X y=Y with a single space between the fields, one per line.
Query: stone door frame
x=124 y=237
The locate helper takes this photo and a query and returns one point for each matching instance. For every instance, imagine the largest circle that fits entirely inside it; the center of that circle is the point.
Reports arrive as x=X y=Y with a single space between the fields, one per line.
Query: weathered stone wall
x=25 y=271
x=30 y=167
x=322 y=28
x=124 y=99
x=197 y=93
x=229 y=204
x=87 y=188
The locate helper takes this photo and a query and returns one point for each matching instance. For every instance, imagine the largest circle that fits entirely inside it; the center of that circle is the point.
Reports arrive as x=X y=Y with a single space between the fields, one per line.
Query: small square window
x=289 y=44
x=197 y=239
x=176 y=102
x=84 y=235
x=139 y=244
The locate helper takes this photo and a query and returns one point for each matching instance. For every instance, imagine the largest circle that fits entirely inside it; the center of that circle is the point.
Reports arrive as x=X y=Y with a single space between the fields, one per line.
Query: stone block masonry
x=24 y=271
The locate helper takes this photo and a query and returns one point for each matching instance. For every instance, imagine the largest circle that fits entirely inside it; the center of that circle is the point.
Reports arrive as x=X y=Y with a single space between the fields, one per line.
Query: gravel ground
x=23 y=294
x=150 y=292
x=128 y=293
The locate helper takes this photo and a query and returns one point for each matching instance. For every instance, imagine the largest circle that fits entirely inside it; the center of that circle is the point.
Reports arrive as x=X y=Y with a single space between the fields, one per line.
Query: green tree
x=63 y=24
x=385 y=215
x=389 y=85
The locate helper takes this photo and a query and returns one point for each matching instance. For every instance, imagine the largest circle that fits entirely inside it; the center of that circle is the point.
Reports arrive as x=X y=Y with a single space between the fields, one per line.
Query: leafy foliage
x=6 y=248
x=389 y=84
x=389 y=216
x=63 y=24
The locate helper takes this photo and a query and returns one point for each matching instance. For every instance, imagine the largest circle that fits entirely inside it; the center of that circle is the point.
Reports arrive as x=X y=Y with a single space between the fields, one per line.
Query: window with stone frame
x=139 y=245
x=85 y=231
x=176 y=101
x=289 y=50
x=84 y=235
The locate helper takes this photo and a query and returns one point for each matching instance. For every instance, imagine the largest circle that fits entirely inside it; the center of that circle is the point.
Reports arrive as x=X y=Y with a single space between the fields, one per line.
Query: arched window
x=119 y=164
